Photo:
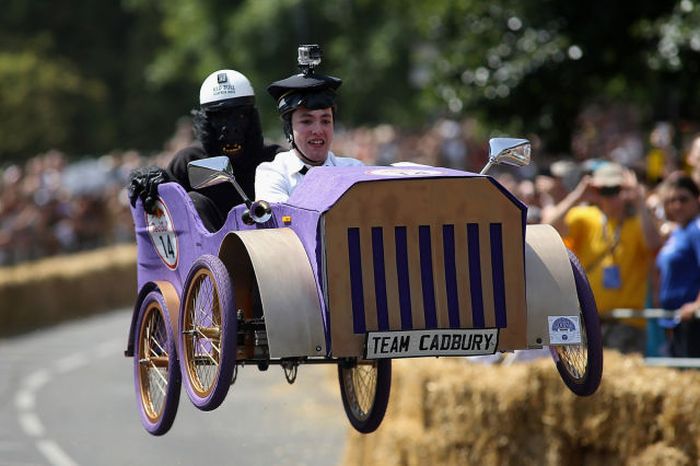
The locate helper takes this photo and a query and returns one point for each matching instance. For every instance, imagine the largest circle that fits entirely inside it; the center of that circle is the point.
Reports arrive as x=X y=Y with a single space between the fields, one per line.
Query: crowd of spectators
x=51 y=206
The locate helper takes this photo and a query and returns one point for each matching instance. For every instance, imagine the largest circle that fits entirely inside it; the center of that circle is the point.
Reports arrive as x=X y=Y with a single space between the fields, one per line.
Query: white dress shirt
x=275 y=181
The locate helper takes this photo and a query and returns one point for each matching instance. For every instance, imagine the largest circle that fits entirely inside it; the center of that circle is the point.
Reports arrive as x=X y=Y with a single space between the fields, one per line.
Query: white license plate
x=442 y=342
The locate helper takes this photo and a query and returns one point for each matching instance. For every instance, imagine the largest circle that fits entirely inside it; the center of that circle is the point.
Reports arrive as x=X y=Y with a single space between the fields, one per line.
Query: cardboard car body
x=375 y=262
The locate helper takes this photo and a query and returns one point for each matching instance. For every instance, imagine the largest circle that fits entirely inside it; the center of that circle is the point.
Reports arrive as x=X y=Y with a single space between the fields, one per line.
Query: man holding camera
x=615 y=238
x=306 y=103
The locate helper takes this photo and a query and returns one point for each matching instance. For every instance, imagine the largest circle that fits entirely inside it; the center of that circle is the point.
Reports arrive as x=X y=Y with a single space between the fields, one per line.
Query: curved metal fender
x=287 y=288
x=550 y=286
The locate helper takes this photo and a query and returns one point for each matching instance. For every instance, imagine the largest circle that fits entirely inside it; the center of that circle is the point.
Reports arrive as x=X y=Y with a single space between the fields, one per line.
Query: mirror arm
x=486 y=168
x=243 y=195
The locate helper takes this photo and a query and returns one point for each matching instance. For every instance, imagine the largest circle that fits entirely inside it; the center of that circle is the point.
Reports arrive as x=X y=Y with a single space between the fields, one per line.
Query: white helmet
x=226 y=88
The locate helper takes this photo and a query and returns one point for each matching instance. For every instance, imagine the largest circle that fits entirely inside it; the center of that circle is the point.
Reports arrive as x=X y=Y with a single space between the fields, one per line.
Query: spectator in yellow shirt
x=615 y=238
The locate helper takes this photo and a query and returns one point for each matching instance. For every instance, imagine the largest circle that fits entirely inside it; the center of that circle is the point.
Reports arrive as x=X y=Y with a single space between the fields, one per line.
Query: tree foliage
x=89 y=76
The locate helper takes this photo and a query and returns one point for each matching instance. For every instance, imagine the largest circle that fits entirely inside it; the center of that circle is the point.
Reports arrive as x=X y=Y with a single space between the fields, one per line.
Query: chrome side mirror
x=209 y=172
x=511 y=151
x=216 y=170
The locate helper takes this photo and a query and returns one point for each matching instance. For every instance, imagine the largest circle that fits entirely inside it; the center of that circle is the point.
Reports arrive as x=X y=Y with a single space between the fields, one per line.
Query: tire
x=207 y=333
x=365 y=387
x=581 y=366
x=156 y=368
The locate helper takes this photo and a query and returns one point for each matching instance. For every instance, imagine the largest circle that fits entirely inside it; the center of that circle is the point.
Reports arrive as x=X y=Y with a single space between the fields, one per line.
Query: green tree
x=38 y=98
x=520 y=66
x=531 y=66
x=89 y=76
x=72 y=78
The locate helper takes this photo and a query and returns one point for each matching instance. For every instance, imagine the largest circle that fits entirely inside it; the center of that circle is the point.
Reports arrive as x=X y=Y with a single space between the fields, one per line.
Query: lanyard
x=616 y=236
x=610 y=246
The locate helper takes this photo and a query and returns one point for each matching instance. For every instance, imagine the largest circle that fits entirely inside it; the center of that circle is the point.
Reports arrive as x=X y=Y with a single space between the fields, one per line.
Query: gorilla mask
x=228 y=131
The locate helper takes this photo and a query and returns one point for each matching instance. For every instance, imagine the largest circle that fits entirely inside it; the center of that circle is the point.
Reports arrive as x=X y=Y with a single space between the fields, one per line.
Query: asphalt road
x=67 y=398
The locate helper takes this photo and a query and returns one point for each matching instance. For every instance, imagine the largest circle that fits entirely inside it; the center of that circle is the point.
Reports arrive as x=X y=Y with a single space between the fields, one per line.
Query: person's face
x=313 y=132
x=611 y=200
x=680 y=205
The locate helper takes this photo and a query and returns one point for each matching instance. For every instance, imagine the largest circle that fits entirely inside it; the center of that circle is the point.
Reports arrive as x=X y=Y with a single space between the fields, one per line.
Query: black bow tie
x=303 y=170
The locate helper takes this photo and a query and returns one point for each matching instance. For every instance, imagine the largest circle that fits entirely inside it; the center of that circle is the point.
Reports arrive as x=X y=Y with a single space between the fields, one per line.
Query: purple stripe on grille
x=426 y=275
x=448 y=247
x=379 y=278
x=356 y=292
x=499 y=294
x=402 y=276
x=475 y=275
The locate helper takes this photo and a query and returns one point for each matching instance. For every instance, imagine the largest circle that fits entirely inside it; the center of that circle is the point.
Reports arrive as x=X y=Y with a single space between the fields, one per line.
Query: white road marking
x=110 y=348
x=25 y=398
x=36 y=380
x=71 y=362
x=54 y=454
x=31 y=425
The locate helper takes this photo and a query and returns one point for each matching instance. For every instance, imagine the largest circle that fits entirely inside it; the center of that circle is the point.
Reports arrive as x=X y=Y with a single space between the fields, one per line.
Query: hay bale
x=452 y=412
x=59 y=288
x=660 y=454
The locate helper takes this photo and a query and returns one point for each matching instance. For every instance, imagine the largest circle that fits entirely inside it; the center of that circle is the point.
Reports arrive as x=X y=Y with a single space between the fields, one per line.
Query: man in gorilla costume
x=227 y=123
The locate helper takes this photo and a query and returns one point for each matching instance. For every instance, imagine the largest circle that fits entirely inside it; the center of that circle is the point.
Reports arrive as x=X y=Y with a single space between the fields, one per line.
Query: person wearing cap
x=306 y=104
x=615 y=238
x=226 y=123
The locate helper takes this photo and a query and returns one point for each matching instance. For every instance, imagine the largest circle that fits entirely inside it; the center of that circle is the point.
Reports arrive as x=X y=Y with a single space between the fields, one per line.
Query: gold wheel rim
x=202 y=332
x=361 y=388
x=575 y=357
x=153 y=362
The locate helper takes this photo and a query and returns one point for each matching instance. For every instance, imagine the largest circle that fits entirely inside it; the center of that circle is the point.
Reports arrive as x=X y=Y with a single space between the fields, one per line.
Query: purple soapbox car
x=360 y=266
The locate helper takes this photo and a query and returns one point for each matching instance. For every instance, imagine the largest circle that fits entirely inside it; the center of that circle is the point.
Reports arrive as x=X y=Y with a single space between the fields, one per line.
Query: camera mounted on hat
x=308 y=58
x=306 y=89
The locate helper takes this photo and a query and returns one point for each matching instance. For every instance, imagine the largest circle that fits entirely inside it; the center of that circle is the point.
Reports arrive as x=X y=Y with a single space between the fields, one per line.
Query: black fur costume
x=218 y=132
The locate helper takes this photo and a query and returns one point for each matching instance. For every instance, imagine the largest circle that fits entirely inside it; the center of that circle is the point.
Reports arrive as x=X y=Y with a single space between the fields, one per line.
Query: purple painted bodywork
x=321 y=189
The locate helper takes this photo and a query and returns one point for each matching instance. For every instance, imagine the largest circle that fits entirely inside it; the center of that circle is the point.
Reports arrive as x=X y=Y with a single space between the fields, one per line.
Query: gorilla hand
x=143 y=183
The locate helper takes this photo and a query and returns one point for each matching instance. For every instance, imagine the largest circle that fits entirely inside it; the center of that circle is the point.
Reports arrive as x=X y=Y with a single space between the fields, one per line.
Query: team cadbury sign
x=416 y=343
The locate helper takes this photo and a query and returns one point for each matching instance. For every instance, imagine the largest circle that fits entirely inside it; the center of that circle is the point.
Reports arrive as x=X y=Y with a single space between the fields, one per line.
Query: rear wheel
x=156 y=369
x=207 y=336
x=365 y=388
x=581 y=366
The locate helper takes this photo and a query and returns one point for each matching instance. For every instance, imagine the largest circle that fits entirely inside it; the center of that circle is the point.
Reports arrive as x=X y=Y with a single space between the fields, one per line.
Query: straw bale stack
x=453 y=412
x=55 y=289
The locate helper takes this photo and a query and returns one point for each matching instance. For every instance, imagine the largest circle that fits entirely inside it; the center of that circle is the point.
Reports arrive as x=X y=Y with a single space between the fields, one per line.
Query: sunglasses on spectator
x=609 y=191
x=682 y=199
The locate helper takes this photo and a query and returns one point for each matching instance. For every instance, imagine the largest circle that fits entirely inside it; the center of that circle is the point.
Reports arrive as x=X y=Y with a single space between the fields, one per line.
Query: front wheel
x=156 y=370
x=207 y=339
x=365 y=388
x=581 y=366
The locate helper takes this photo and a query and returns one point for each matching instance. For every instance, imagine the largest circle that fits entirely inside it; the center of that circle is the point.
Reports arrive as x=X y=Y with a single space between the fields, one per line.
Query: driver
x=226 y=123
x=306 y=104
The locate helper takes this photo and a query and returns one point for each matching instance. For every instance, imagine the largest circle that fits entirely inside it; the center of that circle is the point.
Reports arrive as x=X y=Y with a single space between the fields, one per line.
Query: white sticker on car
x=162 y=233
x=564 y=330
